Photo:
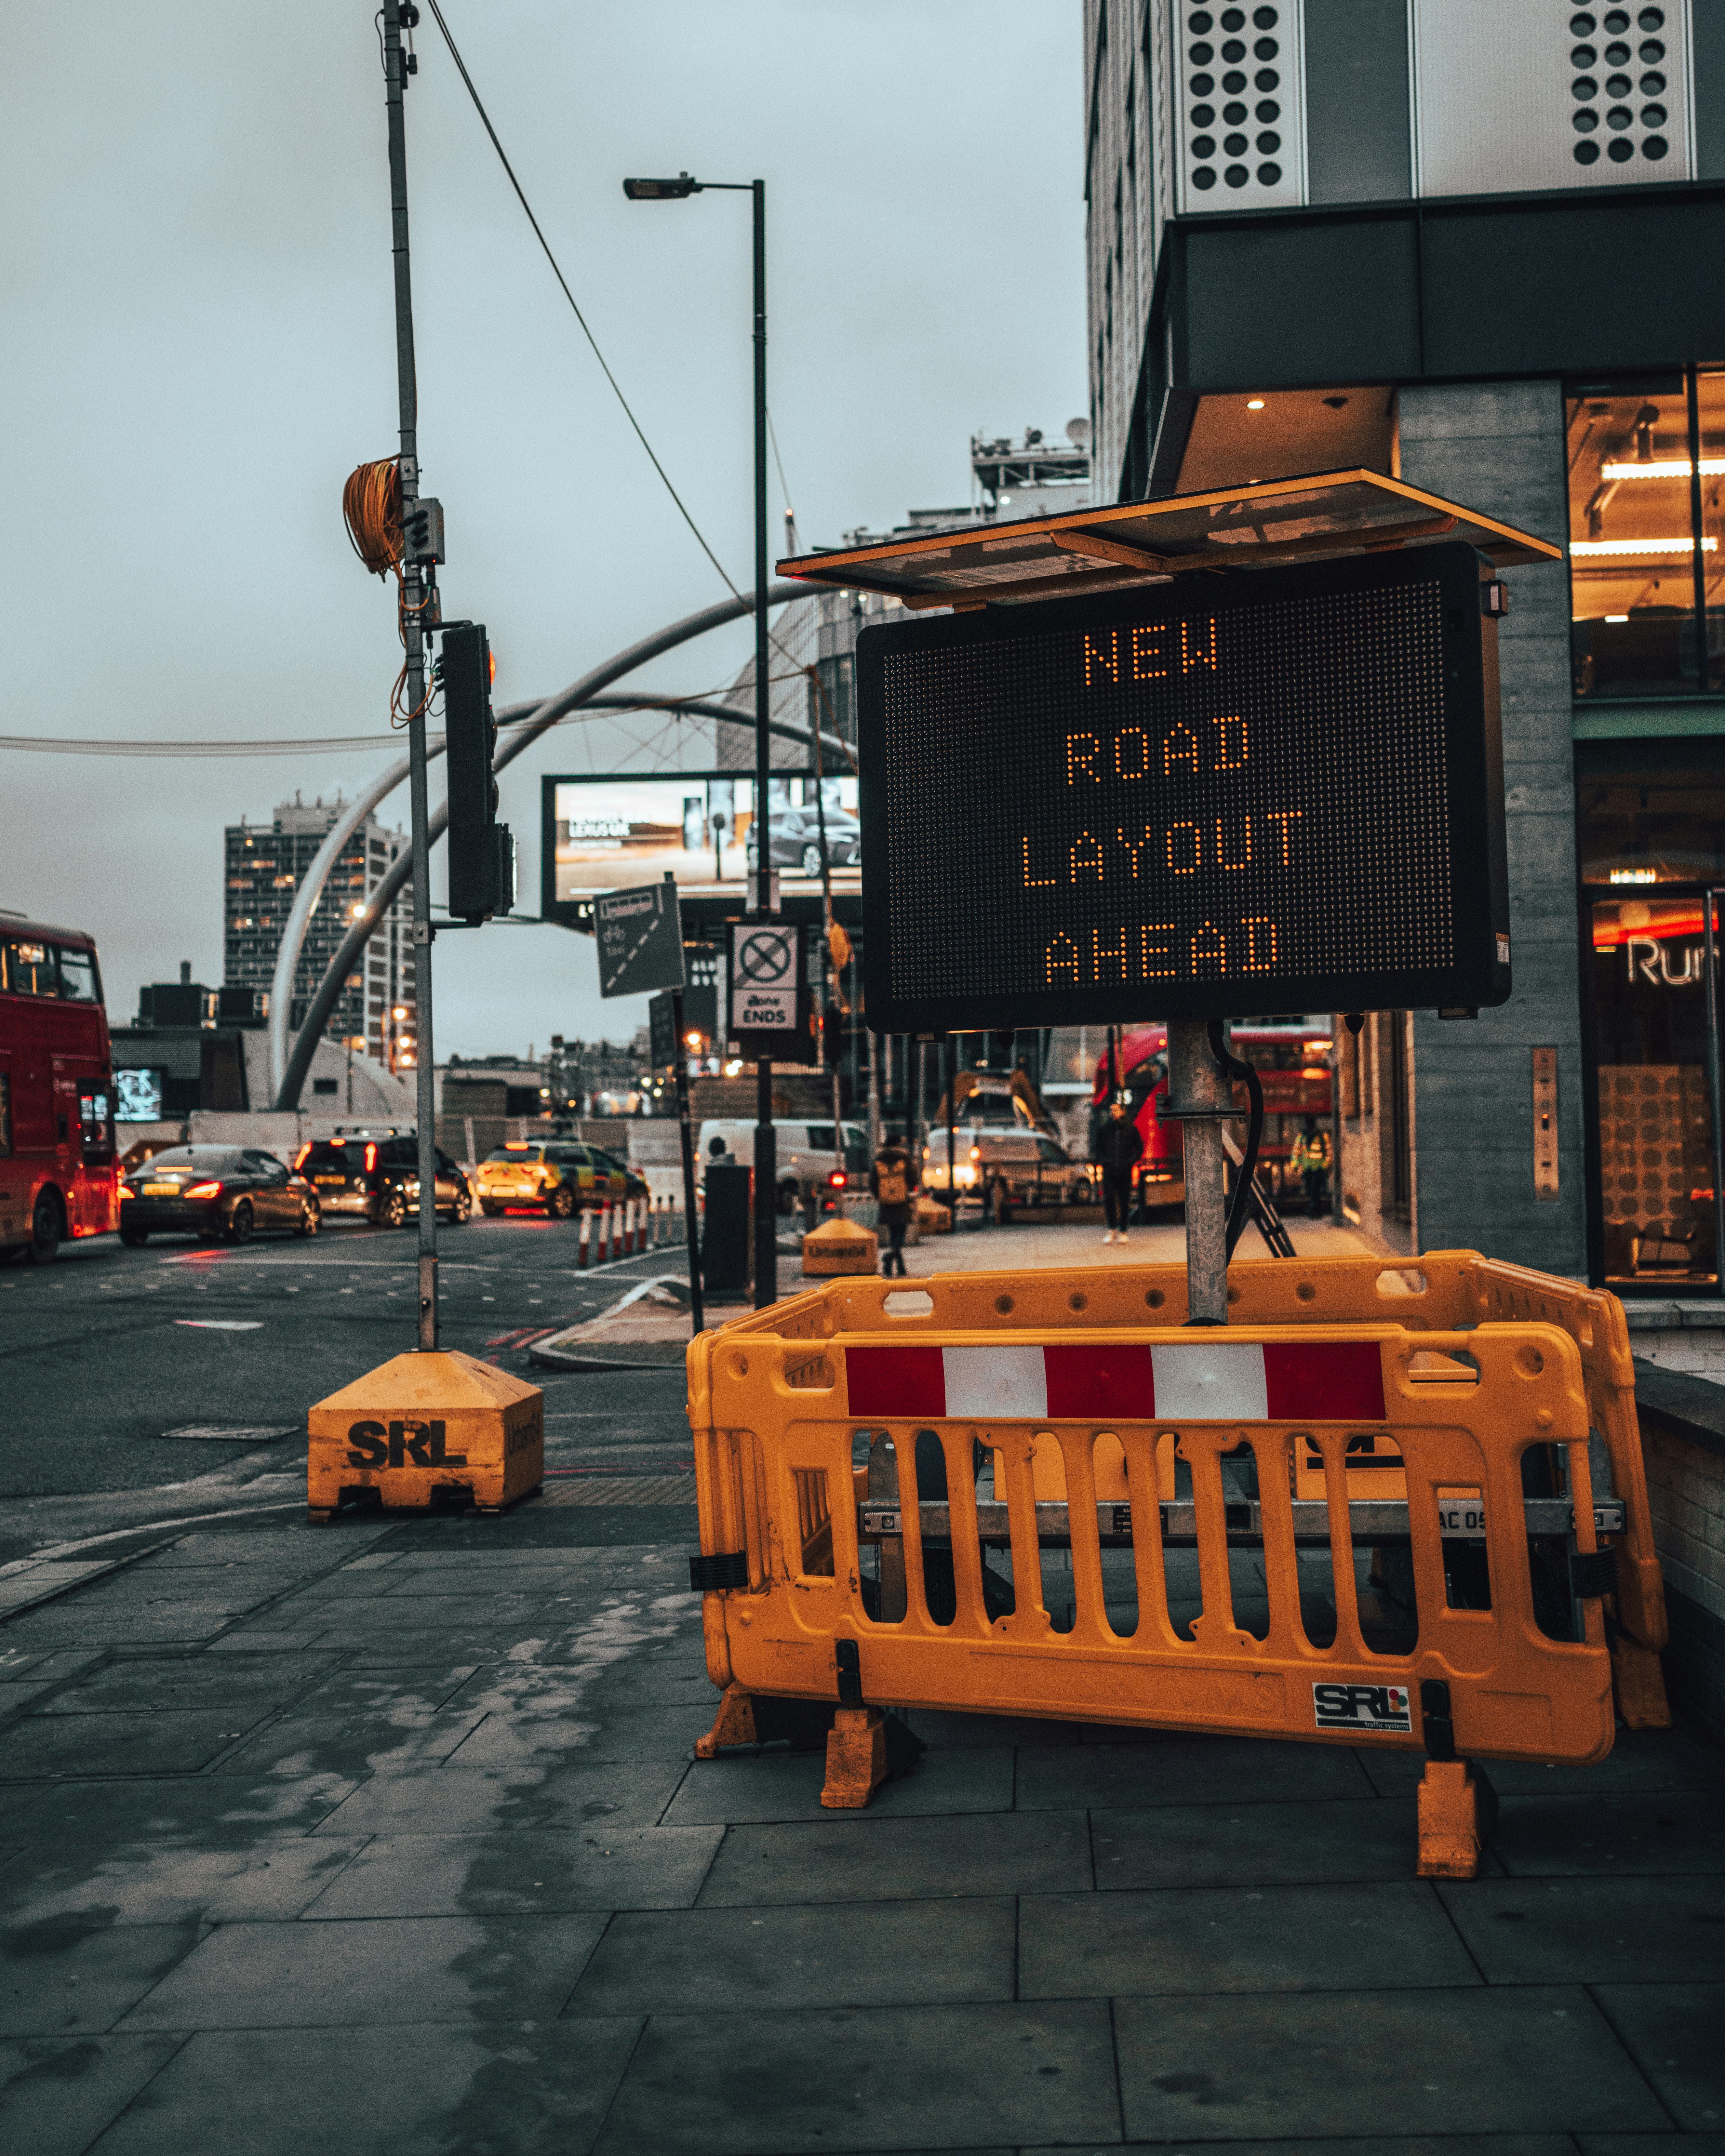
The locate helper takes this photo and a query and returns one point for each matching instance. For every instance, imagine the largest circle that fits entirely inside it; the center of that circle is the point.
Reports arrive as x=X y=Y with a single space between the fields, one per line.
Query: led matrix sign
x=1280 y=791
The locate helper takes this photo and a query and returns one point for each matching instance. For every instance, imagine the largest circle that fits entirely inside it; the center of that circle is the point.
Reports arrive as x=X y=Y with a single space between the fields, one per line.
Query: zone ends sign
x=1220 y=797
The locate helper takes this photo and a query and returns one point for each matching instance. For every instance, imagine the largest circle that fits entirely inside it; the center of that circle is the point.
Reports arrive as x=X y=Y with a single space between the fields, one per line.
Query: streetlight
x=766 y=1152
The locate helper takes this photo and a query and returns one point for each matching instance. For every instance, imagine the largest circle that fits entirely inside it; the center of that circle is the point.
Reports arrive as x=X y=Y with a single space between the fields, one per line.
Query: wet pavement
x=172 y=1382
x=386 y=1837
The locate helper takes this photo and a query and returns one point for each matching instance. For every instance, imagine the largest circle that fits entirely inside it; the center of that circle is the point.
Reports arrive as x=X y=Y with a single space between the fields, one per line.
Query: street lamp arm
x=538 y=718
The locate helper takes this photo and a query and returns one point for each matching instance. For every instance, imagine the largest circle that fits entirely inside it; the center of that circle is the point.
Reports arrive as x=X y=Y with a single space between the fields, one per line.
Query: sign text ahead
x=1279 y=791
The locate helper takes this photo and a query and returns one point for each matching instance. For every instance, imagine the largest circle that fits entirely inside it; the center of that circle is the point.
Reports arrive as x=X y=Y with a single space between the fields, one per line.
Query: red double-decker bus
x=1292 y=1059
x=58 y=1176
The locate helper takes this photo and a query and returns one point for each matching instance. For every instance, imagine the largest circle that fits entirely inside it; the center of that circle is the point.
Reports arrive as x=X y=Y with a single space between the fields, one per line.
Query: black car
x=217 y=1193
x=376 y=1175
x=793 y=839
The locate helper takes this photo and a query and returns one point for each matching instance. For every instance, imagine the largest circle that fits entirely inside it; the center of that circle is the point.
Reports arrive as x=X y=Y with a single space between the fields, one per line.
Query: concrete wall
x=1682 y=1418
x=1500 y=448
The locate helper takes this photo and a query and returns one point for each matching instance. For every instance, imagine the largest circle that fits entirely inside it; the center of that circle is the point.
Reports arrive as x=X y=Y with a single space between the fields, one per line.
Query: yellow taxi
x=557 y=1176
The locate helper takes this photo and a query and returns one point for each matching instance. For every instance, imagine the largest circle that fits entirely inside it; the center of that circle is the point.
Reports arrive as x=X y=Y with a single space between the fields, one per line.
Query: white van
x=808 y=1153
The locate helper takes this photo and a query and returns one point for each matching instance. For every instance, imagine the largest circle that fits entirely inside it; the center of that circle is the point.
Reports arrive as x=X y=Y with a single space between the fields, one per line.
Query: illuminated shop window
x=1636 y=555
x=1651 y=821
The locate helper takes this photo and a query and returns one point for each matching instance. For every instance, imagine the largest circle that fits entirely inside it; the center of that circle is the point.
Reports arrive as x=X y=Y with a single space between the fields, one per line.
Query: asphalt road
x=106 y=1352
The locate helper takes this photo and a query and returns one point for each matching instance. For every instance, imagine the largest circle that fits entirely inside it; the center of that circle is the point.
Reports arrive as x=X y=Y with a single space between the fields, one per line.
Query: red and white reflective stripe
x=1209 y=1381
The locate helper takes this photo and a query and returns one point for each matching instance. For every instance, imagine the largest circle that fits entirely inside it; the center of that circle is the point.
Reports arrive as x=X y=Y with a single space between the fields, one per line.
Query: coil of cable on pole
x=371 y=508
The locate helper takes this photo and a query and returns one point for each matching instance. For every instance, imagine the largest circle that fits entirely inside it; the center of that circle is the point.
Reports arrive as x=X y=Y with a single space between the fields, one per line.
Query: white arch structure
x=526 y=723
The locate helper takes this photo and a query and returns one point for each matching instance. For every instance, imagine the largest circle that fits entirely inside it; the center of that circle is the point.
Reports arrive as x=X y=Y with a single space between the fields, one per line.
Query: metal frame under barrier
x=1063 y=1368
x=1377 y=1521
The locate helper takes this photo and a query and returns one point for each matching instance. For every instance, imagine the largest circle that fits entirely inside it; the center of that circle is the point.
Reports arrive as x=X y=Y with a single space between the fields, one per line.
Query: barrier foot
x=1638 y=1684
x=747 y=1717
x=735 y=1724
x=867 y=1747
x=1458 y=1807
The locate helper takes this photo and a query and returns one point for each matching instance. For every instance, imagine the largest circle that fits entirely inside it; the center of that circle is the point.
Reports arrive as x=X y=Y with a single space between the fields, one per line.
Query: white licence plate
x=162 y=1190
x=1462 y=1519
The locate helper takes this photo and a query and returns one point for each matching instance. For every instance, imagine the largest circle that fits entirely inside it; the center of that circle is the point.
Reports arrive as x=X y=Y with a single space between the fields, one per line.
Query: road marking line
x=222 y=1324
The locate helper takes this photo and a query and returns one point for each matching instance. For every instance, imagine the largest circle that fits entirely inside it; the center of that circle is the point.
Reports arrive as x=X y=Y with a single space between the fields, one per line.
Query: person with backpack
x=892 y=1181
x=1116 y=1149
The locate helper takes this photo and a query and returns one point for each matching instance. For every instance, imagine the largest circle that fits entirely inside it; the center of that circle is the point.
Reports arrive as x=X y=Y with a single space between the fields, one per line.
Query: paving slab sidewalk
x=386 y=1838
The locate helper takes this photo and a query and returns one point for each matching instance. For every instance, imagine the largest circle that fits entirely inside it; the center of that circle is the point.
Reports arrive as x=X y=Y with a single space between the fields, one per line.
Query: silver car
x=1005 y=1167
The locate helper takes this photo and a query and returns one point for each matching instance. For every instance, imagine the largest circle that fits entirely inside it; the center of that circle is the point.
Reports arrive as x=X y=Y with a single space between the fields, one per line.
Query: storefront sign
x=1219 y=798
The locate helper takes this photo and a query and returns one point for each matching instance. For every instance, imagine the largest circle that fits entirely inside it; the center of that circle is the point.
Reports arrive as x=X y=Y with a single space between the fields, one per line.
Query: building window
x=1645 y=556
x=1651 y=818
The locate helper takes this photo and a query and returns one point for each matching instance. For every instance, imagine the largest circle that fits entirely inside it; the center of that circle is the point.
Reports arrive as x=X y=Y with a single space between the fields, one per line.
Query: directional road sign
x=640 y=938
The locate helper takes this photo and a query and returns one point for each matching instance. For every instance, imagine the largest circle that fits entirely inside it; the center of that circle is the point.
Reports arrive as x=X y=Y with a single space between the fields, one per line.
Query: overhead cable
x=521 y=197
x=556 y=271
x=705 y=704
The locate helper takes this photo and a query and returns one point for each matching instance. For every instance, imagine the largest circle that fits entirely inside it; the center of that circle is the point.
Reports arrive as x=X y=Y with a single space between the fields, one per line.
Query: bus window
x=95 y=1128
x=77 y=975
x=30 y=969
x=5 y=1114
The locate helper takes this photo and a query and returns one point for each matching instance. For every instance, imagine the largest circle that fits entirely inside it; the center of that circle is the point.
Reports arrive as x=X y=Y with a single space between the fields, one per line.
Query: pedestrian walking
x=1116 y=1150
x=892 y=1180
x=1310 y=1160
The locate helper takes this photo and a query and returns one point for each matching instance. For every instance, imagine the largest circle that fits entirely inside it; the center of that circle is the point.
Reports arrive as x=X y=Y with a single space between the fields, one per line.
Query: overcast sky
x=196 y=347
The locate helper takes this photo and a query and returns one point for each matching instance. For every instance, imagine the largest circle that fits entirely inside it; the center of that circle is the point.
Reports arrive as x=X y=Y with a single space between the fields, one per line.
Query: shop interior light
x=1254 y=403
x=1664 y=467
x=1617 y=617
x=1624 y=546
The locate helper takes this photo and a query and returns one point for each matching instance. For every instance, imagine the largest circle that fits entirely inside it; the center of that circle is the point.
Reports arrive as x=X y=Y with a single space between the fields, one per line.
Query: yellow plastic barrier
x=1090 y=1372
x=1444 y=1290
x=1456 y=1288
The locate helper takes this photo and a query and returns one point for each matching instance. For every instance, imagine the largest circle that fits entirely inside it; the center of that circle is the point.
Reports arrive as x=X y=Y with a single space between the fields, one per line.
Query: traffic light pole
x=766 y=1140
x=413 y=596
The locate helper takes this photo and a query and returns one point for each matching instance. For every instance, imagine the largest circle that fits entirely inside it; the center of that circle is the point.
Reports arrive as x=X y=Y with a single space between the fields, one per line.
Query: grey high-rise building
x=1467 y=243
x=264 y=864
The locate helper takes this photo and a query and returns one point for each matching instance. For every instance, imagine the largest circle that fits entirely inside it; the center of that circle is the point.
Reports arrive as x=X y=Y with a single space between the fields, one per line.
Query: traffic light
x=481 y=850
x=832 y=1037
x=662 y=1032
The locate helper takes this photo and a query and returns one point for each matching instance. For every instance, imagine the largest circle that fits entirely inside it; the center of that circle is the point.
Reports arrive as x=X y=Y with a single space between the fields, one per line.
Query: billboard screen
x=607 y=833
x=1278 y=792
x=139 y=1096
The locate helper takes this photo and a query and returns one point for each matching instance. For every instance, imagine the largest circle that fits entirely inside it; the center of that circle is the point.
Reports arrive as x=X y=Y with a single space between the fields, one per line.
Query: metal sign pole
x=425 y=1072
x=766 y=1142
x=697 y=1319
x=1200 y=1096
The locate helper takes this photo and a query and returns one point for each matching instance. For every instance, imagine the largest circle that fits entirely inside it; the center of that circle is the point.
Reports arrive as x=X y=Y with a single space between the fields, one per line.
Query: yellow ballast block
x=425 y=1424
x=840 y=1246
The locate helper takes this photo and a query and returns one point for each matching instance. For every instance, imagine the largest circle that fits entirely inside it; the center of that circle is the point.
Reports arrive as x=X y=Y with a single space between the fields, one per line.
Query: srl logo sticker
x=1364 y=1710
